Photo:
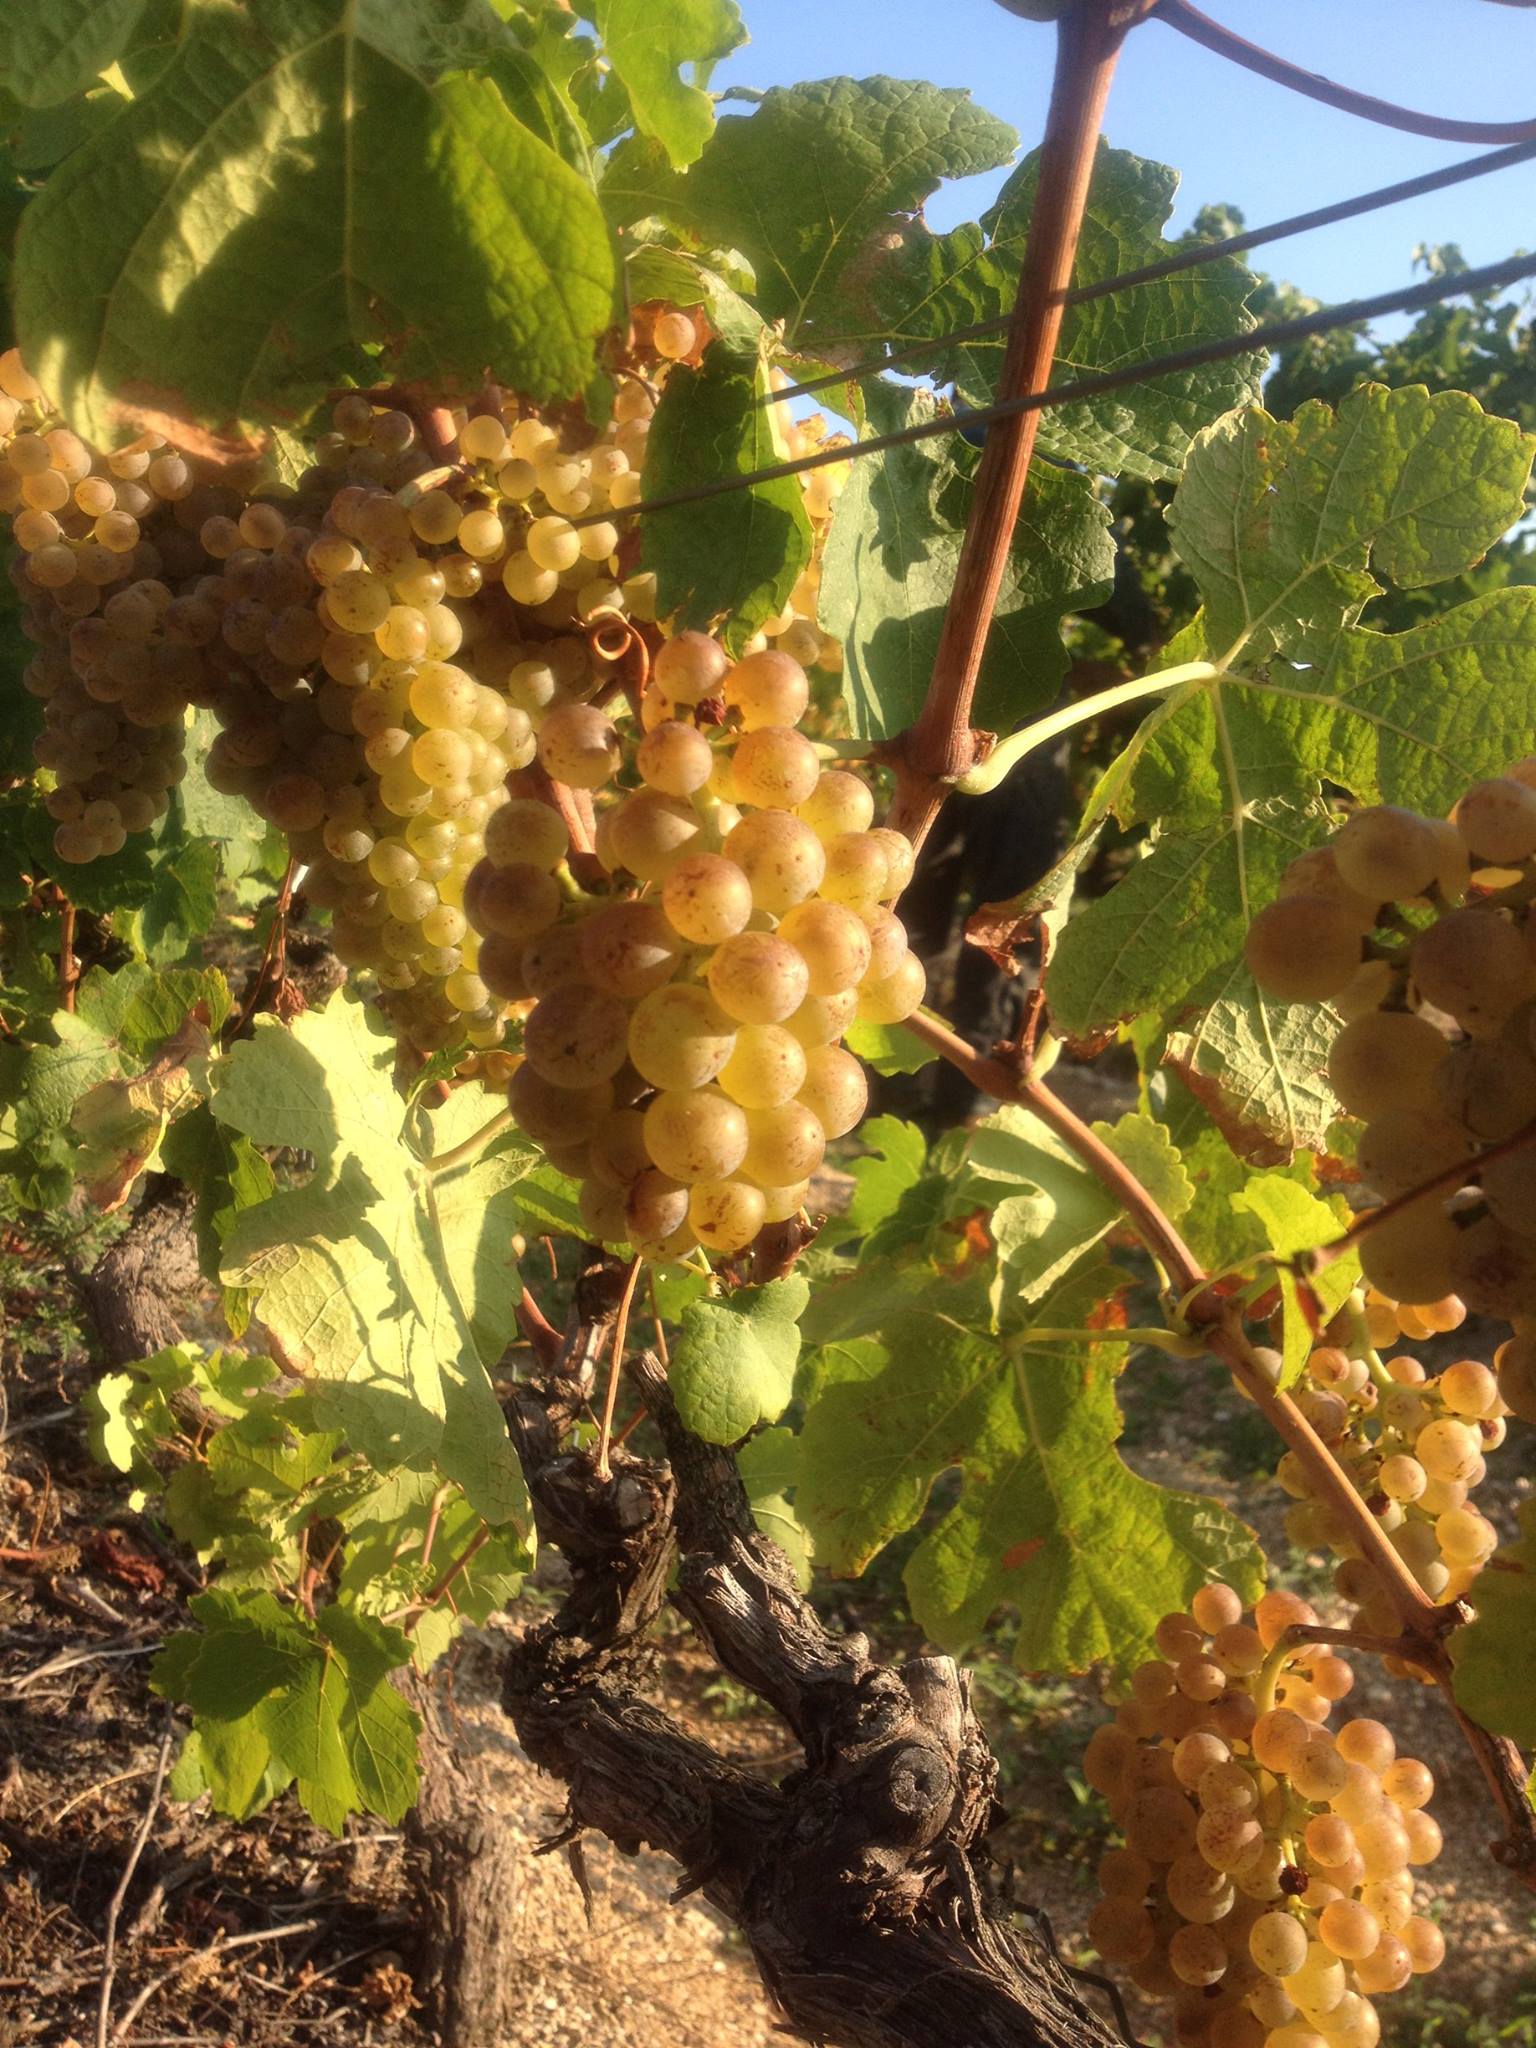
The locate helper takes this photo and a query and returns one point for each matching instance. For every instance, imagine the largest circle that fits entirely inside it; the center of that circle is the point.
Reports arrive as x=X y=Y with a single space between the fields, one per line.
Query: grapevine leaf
x=227 y=1175
x=890 y=562
x=183 y=905
x=1143 y=1144
x=648 y=47
x=740 y=554
x=53 y=52
x=316 y=1693
x=1233 y=769
x=655 y=271
x=889 y=1048
x=872 y=1445
x=323 y=1087
x=1492 y=1654
x=121 y=1121
x=1295 y=1220
x=1166 y=941
x=248 y=219
x=769 y=1468
x=1044 y=1211
x=932 y=284
x=858 y=1302
x=392 y=1286
x=390 y=1521
x=1221 y=1235
x=1048 y=1521
x=892 y=1168
x=98 y=1101
x=734 y=1361
x=807 y=181
x=1282 y=521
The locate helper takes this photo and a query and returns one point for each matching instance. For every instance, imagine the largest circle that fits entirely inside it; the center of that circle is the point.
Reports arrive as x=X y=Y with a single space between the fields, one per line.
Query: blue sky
x=1235 y=137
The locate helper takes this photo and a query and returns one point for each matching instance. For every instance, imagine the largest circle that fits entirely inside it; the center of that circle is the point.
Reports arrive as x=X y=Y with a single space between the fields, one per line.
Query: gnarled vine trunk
x=860 y=1881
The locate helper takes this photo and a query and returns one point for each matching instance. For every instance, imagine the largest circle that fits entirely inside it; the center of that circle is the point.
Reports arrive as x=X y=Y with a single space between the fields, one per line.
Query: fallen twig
x=115 y=1904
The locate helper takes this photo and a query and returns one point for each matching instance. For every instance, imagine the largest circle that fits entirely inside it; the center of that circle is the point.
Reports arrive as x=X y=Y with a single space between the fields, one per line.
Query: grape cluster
x=682 y=1056
x=378 y=642
x=1265 y=1885
x=1420 y=932
x=1413 y=1446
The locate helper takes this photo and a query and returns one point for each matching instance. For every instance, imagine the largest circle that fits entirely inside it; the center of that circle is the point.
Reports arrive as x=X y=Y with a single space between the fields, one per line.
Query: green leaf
x=1143 y=1144
x=228 y=1175
x=736 y=557
x=733 y=1365
x=1283 y=524
x=56 y=48
x=1295 y=1220
x=263 y=1680
x=1048 y=1520
x=655 y=271
x=648 y=47
x=894 y=1166
x=1045 y=1211
x=769 y=1466
x=1222 y=1236
x=931 y=285
x=1282 y=521
x=889 y=1048
x=1492 y=1654
x=392 y=1286
x=183 y=905
x=889 y=567
x=1166 y=942
x=292 y=188
x=807 y=181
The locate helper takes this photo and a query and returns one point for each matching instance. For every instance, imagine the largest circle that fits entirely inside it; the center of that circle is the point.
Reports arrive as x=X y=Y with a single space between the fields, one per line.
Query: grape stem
x=615 y=1368
x=576 y=814
x=1457 y=1175
x=69 y=969
x=461 y=1154
x=273 y=965
x=1424 y=1624
x=1007 y=754
x=941 y=746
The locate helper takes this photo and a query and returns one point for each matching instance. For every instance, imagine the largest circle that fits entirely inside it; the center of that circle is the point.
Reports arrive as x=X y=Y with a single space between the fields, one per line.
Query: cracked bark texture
x=860 y=1881
x=141 y=1286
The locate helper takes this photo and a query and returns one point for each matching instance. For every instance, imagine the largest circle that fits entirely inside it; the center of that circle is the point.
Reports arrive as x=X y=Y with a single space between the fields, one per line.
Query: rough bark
x=138 y=1289
x=470 y=1863
x=470 y=1869
x=861 y=1881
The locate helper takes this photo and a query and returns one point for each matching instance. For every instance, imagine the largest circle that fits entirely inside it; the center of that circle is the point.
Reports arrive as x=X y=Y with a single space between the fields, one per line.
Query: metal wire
x=1350 y=313
x=1187 y=259
x=1107 y=1985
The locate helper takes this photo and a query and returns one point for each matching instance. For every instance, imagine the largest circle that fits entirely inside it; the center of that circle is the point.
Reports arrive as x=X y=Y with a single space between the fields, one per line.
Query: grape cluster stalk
x=379 y=641
x=1420 y=932
x=1265 y=1887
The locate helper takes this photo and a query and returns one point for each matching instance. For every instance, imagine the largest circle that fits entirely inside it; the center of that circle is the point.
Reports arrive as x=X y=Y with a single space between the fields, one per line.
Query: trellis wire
x=1186 y=259
x=1111 y=1990
x=1349 y=313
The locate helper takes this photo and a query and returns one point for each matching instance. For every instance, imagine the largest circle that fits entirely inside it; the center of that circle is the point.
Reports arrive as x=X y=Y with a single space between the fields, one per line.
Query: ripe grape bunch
x=1420 y=932
x=1265 y=1886
x=1413 y=1446
x=377 y=642
x=682 y=1054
